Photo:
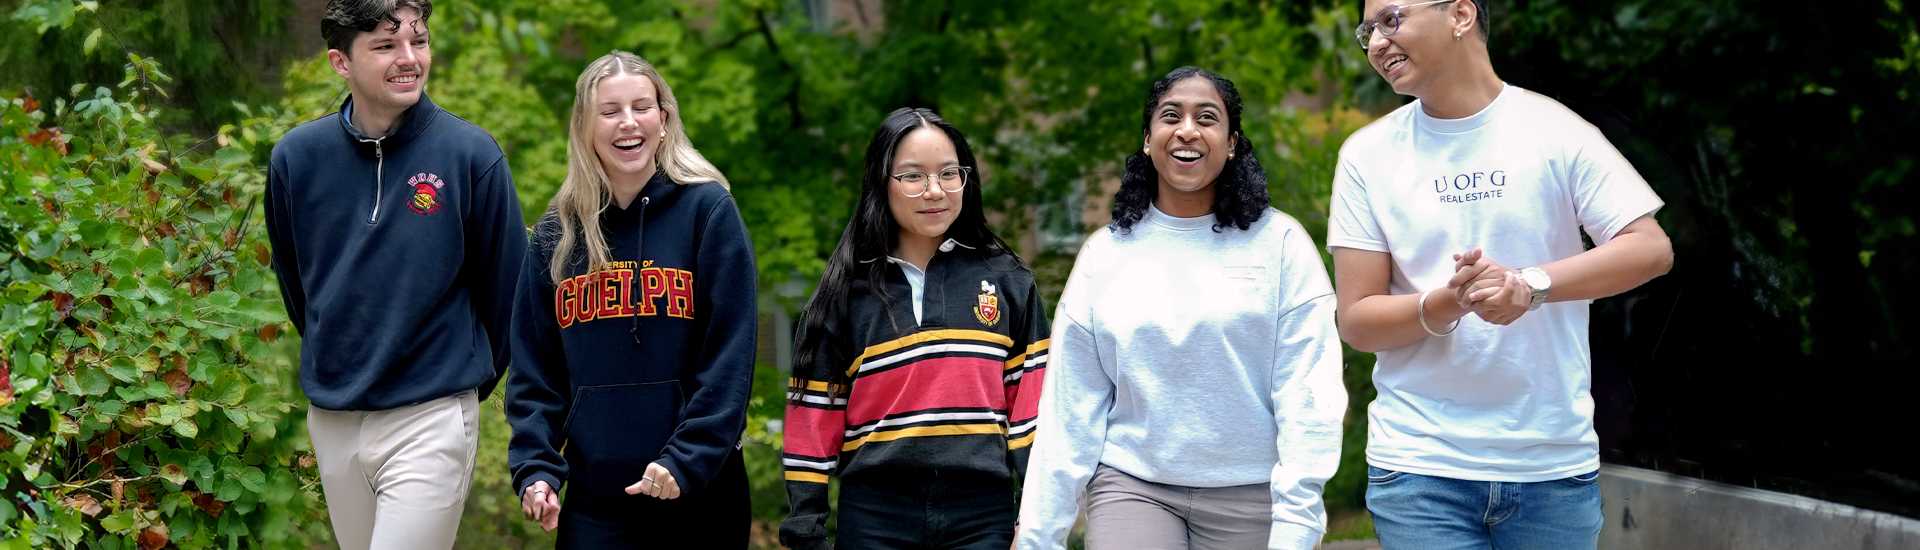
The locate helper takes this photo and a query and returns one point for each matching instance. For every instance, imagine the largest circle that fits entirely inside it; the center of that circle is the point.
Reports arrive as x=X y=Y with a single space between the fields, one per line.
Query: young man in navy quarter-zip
x=397 y=240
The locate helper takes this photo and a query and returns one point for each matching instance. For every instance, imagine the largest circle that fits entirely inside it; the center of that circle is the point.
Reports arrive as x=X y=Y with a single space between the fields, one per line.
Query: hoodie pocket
x=614 y=431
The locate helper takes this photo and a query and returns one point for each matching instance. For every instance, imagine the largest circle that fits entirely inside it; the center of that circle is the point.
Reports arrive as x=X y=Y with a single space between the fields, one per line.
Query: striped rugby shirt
x=959 y=392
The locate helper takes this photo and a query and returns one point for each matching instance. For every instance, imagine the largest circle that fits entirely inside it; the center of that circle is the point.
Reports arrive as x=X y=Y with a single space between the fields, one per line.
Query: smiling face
x=387 y=68
x=925 y=150
x=627 y=126
x=1188 y=138
x=1409 y=59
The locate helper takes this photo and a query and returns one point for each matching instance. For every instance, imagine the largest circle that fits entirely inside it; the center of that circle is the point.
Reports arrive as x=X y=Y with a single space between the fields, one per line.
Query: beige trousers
x=1126 y=512
x=397 y=479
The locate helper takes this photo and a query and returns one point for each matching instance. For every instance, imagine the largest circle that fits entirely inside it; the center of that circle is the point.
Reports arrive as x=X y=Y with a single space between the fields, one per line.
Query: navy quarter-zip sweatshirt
x=649 y=359
x=397 y=257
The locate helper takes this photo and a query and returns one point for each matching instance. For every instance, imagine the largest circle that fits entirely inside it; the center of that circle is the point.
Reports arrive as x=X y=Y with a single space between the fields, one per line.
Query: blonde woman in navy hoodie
x=633 y=334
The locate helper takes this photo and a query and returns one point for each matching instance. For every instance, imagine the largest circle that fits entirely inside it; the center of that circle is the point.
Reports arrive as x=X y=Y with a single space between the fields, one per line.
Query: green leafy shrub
x=146 y=397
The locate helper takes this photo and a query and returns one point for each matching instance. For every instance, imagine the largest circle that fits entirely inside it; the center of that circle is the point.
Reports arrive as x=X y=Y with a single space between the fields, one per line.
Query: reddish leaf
x=6 y=392
x=85 y=503
x=269 y=332
x=206 y=503
x=262 y=255
x=50 y=137
x=226 y=195
x=166 y=229
x=230 y=238
x=202 y=284
x=153 y=197
x=62 y=305
x=106 y=460
x=104 y=301
x=154 y=537
x=119 y=490
x=32 y=104
x=101 y=450
x=51 y=209
x=6 y=440
x=178 y=380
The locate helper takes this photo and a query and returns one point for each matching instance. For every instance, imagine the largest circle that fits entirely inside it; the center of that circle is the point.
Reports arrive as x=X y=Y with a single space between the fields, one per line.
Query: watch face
x=1535 y=278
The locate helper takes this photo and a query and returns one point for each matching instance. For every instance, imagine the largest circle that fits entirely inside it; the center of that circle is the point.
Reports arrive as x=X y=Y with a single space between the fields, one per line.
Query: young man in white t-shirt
x=1455 y=228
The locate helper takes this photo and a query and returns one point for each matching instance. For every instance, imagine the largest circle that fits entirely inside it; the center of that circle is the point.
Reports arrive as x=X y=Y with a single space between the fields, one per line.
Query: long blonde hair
x=586 y=191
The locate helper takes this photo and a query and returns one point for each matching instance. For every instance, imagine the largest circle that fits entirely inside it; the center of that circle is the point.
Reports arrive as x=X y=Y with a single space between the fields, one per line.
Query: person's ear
x=339 y=61
x=1463 y=16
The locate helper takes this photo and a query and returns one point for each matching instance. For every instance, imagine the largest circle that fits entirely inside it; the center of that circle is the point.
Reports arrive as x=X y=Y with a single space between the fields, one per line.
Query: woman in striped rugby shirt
x=919 y=360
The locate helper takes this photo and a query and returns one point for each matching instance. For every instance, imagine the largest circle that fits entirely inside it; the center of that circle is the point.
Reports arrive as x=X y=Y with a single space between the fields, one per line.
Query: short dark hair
x=1479 y=23
x=346 y=19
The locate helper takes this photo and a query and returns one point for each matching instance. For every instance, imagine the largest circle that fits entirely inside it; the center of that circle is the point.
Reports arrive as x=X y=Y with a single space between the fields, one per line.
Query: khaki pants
x=1132 y=513
x=397 y=479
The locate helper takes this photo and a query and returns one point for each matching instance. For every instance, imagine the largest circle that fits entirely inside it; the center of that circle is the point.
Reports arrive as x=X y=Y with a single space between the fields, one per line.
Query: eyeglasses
x=1387 y=20
x=952 y=180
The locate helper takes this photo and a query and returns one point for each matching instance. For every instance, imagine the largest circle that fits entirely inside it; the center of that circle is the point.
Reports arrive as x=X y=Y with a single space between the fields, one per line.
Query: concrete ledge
x=1654 y=510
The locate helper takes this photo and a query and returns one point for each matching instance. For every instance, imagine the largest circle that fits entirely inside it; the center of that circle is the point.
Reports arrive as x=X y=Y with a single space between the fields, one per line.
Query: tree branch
x=793 y=92
x=1146 y=52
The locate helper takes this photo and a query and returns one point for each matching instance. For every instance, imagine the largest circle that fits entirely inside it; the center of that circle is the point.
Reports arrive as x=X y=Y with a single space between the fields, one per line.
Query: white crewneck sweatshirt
x=1188 y=356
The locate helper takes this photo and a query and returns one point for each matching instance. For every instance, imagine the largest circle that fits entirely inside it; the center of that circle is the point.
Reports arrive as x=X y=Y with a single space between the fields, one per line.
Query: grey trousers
x=1126 y=512
x=397 y=479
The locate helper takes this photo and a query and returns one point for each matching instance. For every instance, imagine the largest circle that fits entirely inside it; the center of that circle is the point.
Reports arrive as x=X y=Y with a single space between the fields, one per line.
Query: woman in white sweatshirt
x=1194 y=398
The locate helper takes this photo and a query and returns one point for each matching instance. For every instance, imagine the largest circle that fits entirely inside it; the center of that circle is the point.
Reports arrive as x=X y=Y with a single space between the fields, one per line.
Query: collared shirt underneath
x=917 y=279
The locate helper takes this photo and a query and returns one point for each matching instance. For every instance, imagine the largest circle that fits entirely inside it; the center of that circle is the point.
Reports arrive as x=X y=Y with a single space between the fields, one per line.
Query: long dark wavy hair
x=872 y=233
x=1240 y=193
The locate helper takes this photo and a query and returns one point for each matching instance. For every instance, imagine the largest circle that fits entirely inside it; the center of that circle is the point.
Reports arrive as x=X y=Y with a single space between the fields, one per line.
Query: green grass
x=1349 y=525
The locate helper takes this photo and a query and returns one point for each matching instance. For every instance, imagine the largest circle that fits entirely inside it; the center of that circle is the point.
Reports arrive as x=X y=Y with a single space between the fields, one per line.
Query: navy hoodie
x=396 y=257
x=650 y=359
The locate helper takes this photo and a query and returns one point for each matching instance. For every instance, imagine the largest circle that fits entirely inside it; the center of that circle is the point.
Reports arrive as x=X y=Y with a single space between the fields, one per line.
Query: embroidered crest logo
x=988 y=309
x=426 y=193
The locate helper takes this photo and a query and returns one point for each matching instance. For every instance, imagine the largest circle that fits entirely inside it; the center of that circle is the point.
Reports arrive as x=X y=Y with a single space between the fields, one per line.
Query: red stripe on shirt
x=936 y=383
x=814 y=431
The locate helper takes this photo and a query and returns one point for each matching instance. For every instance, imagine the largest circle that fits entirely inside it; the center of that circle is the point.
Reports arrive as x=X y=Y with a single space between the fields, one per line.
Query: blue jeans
x=1417 y=512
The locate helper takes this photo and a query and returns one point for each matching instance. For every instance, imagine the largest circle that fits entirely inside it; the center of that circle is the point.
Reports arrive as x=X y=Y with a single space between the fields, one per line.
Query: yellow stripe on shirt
x=924 y=431
x=924 y=337
x=808 y=477
x=1021 y=360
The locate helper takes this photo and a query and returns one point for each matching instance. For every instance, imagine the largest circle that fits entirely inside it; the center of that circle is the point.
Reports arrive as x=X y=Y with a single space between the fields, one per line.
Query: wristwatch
x=1538 y=281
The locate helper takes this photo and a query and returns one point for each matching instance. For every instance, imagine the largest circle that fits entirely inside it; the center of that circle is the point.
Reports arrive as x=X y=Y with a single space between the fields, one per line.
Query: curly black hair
x=1240 y=193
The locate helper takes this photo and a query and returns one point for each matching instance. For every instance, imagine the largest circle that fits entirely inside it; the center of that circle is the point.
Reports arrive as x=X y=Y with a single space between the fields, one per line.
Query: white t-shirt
x=1519 y=179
